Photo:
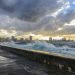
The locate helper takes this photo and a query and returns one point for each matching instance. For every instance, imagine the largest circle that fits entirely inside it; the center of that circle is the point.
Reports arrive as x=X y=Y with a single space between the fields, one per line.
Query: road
x=11 y=64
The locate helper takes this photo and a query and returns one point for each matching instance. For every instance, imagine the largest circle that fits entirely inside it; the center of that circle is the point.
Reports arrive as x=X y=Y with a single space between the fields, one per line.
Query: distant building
x=13 y=38
x=30 y=38
x=50 y=39
x=21 y=39
x=63 y=39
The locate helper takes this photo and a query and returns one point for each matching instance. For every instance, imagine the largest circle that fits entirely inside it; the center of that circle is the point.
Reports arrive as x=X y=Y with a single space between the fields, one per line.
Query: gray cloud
x=68 y=30
x=44 y=24
x=29 y=9
x=31 y=15
x=65 y=18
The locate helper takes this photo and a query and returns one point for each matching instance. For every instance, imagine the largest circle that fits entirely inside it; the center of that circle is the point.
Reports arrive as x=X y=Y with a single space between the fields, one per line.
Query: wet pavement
x=11 y=64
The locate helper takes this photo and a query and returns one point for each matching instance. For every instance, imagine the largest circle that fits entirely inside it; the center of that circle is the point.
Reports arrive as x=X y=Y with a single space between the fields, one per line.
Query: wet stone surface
x=11 y=64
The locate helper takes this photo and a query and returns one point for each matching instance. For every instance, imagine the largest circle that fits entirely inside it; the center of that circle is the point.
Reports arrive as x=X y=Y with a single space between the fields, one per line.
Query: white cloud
x=73 y=2
x=57 y=12
x=72 y=23
x=59 y=29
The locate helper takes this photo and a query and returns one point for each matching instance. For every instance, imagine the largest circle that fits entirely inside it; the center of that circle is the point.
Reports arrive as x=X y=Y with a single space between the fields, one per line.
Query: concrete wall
x=42 y=58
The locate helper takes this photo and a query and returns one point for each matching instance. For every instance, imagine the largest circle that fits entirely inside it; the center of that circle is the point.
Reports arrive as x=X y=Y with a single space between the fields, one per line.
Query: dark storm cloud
x=32 y=15
x=29 y=9
x=46 y=24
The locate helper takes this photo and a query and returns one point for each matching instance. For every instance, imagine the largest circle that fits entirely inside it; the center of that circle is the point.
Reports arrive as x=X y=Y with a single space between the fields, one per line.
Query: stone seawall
x=62 y=63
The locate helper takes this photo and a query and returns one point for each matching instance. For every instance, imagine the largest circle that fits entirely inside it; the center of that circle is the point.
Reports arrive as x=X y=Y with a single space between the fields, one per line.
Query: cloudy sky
x=52 y=16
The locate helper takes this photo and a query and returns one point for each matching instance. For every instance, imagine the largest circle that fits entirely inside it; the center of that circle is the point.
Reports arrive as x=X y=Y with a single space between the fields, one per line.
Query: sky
x=52 y=16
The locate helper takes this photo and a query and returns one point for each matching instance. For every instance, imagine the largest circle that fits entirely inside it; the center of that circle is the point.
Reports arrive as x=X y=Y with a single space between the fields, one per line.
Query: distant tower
x=50 y=39
x=13 y=38
x=30 y=38
x=64 y=39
